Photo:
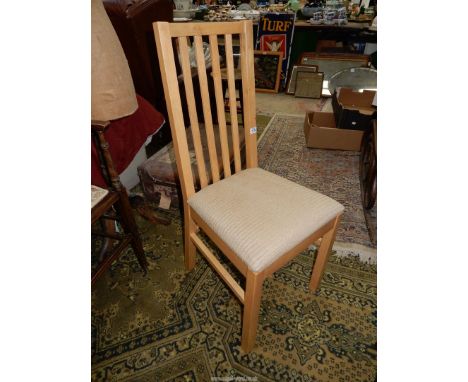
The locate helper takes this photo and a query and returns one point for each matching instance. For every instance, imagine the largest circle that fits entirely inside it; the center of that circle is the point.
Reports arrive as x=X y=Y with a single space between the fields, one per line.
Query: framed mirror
x=330 y=64
x=357 y=79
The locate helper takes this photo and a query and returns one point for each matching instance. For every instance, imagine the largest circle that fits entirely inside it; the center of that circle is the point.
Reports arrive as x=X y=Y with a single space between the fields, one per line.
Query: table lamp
x=112 y=91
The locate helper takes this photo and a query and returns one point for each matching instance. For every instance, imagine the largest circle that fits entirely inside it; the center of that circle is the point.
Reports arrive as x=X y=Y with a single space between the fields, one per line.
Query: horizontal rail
x=203 y=29
x=235 y=287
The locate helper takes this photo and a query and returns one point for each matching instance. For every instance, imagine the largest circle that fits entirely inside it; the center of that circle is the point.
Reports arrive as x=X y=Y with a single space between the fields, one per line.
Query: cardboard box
x=354 y=110
x=320 y=132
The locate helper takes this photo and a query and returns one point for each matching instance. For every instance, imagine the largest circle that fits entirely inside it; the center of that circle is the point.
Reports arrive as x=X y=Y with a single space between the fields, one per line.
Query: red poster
x=275 y=33
x=274 y=42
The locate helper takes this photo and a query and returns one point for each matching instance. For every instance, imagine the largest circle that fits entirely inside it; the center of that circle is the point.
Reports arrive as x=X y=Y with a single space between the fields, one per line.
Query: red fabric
x=126 y=136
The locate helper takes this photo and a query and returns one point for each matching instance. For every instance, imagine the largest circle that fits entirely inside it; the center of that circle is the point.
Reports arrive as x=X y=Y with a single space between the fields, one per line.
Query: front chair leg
x=189 y=246
x=253 y=295
x=322 y=256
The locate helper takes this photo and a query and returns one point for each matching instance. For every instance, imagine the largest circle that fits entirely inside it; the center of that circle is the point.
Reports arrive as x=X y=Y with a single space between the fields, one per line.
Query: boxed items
x=321 y=133
x=353 y=109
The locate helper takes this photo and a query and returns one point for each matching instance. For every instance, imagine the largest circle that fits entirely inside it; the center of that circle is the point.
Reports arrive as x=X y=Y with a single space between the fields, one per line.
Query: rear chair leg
x=322 y=256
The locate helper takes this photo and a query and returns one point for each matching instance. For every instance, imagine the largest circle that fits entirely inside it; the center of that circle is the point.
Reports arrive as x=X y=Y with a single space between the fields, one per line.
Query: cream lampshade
x=112 y=91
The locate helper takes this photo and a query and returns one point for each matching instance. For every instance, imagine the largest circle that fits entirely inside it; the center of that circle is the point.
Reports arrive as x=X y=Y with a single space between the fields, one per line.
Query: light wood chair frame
x=164 y=33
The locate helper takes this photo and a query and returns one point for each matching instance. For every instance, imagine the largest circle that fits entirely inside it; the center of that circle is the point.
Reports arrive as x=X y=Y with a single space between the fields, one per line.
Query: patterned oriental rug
x=175 y=326
x=334 y=173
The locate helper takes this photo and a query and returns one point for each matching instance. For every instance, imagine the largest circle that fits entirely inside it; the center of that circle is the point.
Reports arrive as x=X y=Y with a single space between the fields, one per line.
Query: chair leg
x=322 y=256
x=128 y=221
x=189 y=246
x=253 y=295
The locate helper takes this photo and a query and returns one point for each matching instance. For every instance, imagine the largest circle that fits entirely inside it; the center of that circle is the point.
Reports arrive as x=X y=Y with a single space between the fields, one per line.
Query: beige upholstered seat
x=260 y=215
x=258 y=220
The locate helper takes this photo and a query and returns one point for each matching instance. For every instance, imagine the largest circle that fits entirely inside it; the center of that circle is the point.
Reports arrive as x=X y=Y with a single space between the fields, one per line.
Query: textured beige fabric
x=97 y=194
x=112 y=91
x=260 y=215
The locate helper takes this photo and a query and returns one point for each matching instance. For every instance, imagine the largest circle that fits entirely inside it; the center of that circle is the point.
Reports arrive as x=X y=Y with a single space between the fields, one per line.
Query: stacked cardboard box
x=343 y=129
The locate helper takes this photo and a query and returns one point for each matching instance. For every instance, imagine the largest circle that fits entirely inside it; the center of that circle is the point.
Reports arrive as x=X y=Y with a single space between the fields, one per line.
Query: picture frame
x=310 y=58
x=330 y=64
x=291 y=88
x=309 y=84
x=267 y=66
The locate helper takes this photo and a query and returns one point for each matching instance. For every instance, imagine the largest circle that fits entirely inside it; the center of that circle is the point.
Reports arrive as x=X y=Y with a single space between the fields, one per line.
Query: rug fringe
x=288 y=115
x=366 y=254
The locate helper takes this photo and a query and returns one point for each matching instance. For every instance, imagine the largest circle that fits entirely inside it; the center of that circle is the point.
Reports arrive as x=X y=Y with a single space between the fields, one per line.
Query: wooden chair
x=259 y=220
x=110 y=205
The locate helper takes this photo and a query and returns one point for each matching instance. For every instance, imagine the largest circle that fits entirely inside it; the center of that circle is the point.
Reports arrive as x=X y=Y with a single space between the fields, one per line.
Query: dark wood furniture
x=115 y=206
x=306 y=36
x=368 y=167
x=132 y=21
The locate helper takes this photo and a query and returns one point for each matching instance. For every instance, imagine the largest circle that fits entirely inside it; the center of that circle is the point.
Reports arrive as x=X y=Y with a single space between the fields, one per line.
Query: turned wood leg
x=107 y=225
x=129 y=225
x=122 y=206
x=322 y=256
x=253 y=295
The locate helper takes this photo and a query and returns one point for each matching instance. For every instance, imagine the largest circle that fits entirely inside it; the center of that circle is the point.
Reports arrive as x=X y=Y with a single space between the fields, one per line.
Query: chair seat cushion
x=260 y=215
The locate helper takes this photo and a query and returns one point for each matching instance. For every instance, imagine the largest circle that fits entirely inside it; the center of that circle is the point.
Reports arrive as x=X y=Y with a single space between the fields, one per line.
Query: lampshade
x=112 y=91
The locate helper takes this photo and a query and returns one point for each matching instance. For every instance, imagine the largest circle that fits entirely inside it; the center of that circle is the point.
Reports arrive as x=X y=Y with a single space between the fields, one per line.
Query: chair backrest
x=184 y=34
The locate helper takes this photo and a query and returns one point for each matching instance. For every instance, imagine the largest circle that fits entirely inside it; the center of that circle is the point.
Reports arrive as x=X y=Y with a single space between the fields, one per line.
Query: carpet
x=175 y=326
x=332 y=172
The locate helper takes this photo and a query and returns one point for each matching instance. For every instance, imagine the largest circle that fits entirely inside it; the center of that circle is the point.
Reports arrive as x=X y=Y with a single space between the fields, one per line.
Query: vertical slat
x=248 y=85
x=187 y=73
x=232 y=102
x=206 y=108
x=174 y=107
x=216 y=71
